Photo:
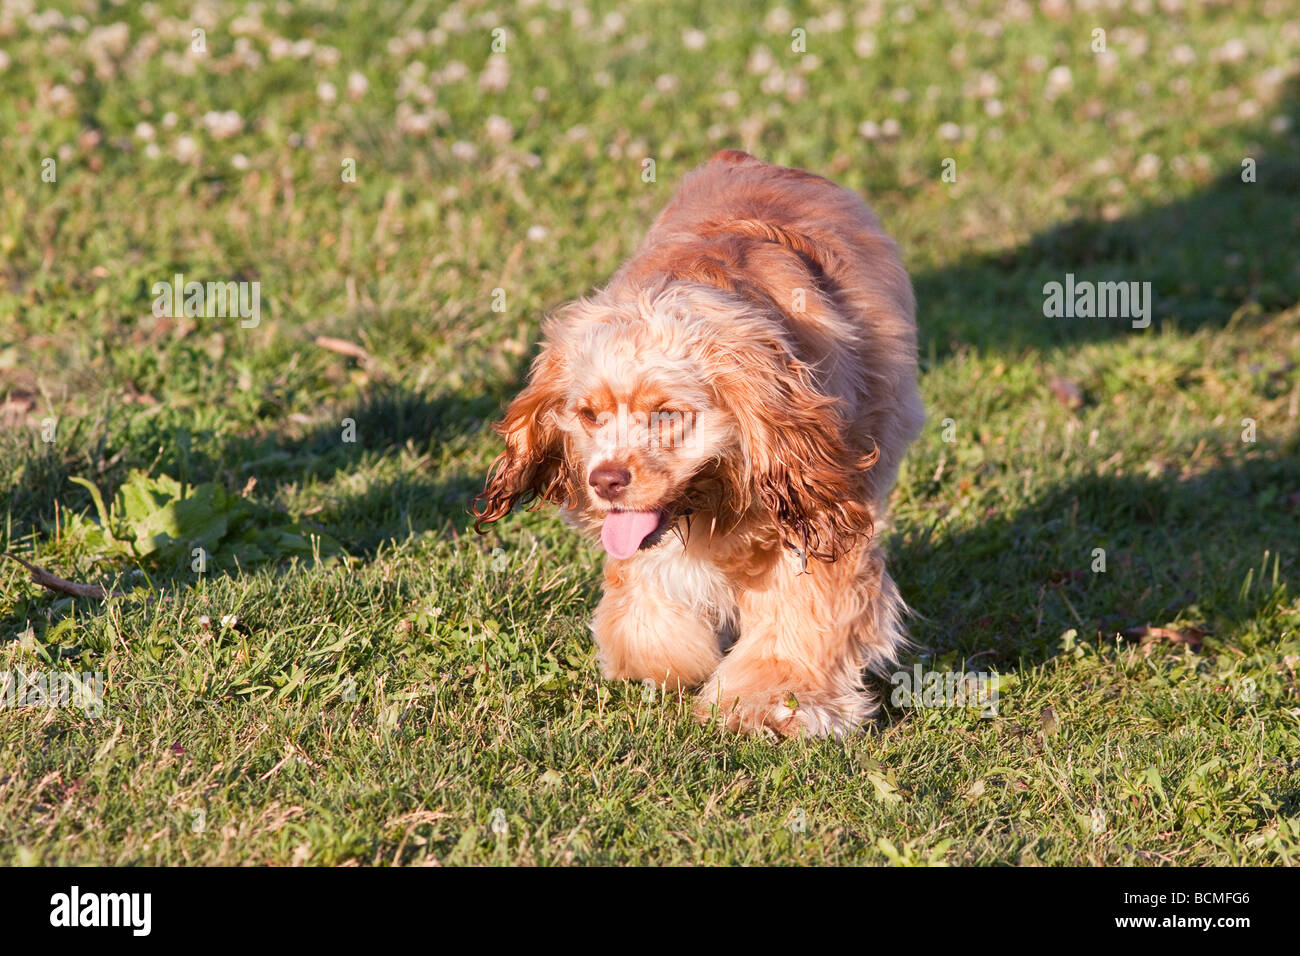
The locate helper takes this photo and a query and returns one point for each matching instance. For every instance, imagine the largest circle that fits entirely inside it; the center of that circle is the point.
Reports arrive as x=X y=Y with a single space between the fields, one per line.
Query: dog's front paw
x=785 y=713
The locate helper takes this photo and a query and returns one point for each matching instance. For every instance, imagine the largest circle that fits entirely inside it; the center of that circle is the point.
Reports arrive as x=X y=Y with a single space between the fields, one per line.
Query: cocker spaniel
x=728 y=416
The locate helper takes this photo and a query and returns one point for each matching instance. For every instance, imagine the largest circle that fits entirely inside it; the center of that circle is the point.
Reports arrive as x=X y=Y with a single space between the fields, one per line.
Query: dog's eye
x=588 y=416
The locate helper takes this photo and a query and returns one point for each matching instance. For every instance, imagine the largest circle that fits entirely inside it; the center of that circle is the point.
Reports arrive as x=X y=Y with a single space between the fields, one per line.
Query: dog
x=727 y=416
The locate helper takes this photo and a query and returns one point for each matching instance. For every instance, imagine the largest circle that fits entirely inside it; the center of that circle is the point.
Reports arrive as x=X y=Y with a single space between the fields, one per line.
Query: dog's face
x=640 y=412
x=642 y=428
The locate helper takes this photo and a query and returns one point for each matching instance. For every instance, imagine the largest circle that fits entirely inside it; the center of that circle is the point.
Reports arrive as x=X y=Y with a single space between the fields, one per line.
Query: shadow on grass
x=383 y=458
x=1230 y=243
x=374 y=499
x=1005 y=590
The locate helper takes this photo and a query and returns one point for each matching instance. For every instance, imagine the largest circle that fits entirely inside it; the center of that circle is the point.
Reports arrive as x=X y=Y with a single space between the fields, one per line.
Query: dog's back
x=814 y=254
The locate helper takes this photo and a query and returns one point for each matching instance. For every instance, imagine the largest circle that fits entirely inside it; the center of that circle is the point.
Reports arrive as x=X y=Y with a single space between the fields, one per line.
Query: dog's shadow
x=1101 y=555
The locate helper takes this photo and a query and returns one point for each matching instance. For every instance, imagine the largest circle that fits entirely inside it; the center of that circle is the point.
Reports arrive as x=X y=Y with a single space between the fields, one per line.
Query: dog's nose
x=609 y=481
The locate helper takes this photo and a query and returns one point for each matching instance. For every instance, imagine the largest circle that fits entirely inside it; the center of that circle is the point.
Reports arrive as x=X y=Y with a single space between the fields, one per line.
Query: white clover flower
x=223 y=124
x=1148 y=166
x=1233 y=51
x=778 y=20
x=409 y=121
x=144 y=131
x=357 y=85
x=496 y=74
x=327 y=92
x=111 y=40
x=1059 y=80
x=774 y=82
x=499 y=129
x=455 y=71
x=982 y=86
x=187 y=150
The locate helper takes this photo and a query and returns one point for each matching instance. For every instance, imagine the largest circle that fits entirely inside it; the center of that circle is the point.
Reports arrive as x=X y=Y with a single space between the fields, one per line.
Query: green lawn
x=355 y=677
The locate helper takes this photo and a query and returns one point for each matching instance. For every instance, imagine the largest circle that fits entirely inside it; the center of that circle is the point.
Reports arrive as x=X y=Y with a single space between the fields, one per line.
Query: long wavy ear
x=533 y=466
x=799 y=465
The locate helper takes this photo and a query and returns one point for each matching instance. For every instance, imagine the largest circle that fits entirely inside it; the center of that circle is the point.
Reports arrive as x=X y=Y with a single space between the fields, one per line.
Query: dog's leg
x=657 y=622
x=805 y=640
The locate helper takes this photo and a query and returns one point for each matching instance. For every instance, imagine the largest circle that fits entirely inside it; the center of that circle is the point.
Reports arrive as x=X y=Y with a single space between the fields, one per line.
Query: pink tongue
x=623 y=531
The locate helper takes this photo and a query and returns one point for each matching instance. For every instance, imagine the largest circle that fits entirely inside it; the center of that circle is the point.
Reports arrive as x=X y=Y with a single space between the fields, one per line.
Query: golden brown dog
x=728 y=416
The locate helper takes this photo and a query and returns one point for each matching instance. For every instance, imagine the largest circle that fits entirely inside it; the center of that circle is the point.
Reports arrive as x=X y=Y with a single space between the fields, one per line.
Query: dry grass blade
x=343 y=347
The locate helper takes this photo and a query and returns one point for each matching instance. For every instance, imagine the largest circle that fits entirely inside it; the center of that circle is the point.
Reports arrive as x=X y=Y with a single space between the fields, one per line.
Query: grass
x=418 y=694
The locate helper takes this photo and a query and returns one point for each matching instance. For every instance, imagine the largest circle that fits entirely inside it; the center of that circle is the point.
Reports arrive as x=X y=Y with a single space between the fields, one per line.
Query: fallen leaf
x=1050 y=723
x=1193 y=637
x=1067 y=392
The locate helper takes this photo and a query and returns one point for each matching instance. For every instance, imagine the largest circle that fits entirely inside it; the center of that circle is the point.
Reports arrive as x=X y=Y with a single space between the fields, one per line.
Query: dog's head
x=677 y=400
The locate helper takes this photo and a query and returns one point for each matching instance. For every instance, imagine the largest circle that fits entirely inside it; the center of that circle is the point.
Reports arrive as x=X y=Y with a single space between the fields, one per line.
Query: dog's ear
x=799 y=466
x=533 y=466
